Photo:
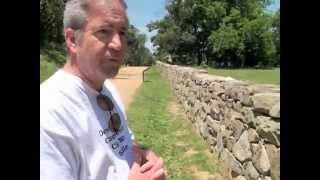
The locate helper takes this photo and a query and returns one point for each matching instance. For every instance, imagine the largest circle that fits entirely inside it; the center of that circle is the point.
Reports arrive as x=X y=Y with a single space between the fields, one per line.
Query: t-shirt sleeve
x=58 y=157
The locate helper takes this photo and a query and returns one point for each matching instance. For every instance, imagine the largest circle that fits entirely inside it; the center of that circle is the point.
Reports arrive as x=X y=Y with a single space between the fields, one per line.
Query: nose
x=116 y=43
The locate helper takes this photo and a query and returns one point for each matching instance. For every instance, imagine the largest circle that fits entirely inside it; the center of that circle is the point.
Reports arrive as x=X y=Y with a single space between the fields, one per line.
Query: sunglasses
x=106 y=104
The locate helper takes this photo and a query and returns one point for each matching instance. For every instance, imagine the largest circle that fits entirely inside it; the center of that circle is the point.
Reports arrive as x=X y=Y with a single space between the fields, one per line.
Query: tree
x=137 y=54
x=276 y=34
x=216 y=32
x=51 y=21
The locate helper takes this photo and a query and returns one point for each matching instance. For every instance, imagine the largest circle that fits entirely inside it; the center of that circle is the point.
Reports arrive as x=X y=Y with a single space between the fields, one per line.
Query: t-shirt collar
x=81 y=83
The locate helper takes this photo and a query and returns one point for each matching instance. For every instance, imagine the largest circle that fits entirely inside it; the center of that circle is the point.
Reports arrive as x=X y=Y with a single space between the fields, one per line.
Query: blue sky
x=142 y=12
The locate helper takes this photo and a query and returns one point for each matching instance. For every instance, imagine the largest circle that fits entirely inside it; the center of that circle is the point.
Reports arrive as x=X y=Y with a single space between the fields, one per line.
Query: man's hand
x=135 y=173
x=151 y=165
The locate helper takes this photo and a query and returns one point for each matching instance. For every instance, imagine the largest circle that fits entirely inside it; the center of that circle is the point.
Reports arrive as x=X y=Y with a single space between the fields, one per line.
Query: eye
x=105 y=32
x=123 y=33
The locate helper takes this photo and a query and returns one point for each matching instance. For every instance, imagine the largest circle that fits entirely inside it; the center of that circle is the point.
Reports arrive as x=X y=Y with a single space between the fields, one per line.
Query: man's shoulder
x=52 y=102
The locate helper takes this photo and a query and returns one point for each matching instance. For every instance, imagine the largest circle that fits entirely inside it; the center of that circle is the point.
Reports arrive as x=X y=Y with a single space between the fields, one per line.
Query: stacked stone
x=239 y=121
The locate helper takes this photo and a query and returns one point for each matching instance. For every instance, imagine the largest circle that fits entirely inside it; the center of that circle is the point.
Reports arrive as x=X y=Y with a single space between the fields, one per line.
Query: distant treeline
x=219 y=33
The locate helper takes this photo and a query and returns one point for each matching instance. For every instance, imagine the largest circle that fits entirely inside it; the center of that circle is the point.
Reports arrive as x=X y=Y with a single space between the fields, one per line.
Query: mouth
x=115 y=60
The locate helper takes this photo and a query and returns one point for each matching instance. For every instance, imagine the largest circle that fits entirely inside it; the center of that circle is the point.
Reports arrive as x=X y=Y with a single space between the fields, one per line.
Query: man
x=83 y=129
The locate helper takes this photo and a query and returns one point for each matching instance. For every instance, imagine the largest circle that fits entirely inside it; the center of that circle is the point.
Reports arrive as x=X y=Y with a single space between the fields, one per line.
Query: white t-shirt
x=75 y=140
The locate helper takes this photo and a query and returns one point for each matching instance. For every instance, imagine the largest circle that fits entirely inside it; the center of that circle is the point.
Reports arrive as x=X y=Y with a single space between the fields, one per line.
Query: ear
x=70 y=39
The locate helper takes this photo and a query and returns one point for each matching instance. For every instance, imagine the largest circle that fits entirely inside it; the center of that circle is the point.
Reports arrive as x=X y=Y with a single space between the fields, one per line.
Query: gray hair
x=75 y=13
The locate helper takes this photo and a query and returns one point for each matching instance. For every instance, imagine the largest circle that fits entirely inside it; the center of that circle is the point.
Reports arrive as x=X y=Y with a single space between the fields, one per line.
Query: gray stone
x=203 y=130
x=243 y=94
x=219 y=146
x=240 y=178
x=212 y=141
x=206 y=108
x=215 y=125
x=264 y=88
x=275 y=111
x=207 y=97
x=212 y=150
x=269 y=130
x=197 y=105
x=223 y=97
x=253 y=136
x=216 y=89
x=262 y=120
x=214 y=108
x=250 y=171
x=249 y=118
x=237 y=128
x=261 y=161
x=237 y=106
x=274 y=158
x=241 y=148
x=202 y=115
x=230 y=143
x=220 y=116
x=222 y=137
x=254 y=148
x=202 y=71
x=266 y=178
x=229 y=103
x=231 y=92
x=231 y=162
x=246 y=100
x=237 y=116
x=263 y=102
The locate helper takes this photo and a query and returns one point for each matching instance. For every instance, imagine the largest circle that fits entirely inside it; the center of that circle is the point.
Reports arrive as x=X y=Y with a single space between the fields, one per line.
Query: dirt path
x=127 y=82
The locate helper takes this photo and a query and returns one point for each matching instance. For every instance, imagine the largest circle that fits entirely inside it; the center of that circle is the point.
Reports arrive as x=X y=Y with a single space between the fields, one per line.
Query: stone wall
x=239 y=121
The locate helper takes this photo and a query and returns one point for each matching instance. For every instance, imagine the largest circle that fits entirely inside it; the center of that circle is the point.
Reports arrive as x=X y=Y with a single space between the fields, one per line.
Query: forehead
x=111 y=11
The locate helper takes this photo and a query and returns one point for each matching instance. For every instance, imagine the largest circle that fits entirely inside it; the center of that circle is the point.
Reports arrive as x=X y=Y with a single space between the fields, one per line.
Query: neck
x=73 y=69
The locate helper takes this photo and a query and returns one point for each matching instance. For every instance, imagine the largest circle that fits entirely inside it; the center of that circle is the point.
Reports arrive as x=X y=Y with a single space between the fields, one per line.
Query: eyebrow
x=109 y=25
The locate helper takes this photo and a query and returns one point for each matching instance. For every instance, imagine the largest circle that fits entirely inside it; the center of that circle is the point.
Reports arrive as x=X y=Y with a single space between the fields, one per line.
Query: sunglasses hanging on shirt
x=106 y=104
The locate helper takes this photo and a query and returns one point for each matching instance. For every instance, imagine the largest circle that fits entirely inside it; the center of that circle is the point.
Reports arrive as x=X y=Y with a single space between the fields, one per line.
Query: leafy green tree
x=216 y=32
x=276 y=34
x=51 y=21
x=137 y=54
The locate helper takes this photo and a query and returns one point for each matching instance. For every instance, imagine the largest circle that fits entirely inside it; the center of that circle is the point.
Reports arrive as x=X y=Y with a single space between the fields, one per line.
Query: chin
x=111 y=72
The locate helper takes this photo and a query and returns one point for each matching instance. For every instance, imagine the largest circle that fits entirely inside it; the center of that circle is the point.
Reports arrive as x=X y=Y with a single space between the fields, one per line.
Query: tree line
x=51 y=34
x=219 y=33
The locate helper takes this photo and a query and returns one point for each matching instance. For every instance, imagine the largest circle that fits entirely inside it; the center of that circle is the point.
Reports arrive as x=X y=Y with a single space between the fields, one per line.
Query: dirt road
x=127 y=82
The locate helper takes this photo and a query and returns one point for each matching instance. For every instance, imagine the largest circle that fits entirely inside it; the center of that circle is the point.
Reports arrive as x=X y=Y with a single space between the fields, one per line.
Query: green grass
x=50 y=60
x=261 y=76
x=168 y=134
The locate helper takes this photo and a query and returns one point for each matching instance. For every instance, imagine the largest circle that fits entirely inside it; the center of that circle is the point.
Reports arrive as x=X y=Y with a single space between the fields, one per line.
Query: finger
x=151 y=156
x=159 y=175
x=147 y=166
x=158 y=165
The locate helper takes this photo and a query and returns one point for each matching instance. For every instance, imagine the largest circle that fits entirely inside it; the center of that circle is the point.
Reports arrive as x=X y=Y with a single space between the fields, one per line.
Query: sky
x=142 y=12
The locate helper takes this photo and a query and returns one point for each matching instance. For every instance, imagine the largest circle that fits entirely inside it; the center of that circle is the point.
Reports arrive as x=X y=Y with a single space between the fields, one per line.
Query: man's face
x=101 y=47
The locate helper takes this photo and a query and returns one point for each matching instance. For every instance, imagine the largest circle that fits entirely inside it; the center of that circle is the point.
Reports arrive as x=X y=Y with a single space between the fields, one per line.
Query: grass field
x=50 y=61
x=263 y=76
x=167 y=133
